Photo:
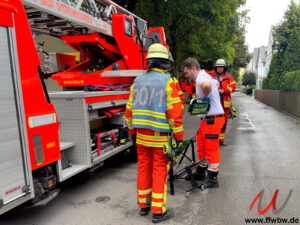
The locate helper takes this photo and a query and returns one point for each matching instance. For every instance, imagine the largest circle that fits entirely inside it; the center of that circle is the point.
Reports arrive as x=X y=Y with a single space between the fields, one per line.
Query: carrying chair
x=197 y=106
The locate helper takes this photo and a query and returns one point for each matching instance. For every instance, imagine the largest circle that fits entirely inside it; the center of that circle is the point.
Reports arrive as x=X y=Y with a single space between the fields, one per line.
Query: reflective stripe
x=129 y=105
x=222 y=136
x=173 y=100
x=177 y=129
x=153 y=138
x=159 y=70
x=150 y=123
x=156 y=114
x=213 y=169
x=148 y=113
x=157 y=195
x=157 y=204
x=144 y=192
x=35 y=121
x=213 y=166
x=165 y=195
x=151 y=144
x=227 y=104
x=142 y=200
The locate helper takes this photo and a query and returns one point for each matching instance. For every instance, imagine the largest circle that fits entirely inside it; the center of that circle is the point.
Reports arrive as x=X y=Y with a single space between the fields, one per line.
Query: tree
x=273 y=80
x=249 y=78
x=130 y=5
x=198 y=28
x=291 y=61
x=242 y=56
x=286 y=58
x=235 y=74
x=284 y=30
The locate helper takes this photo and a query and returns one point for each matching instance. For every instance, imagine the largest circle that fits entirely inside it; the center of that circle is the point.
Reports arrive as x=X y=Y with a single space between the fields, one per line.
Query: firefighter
x=154 y=110
x=208 y=133
x=227 y=85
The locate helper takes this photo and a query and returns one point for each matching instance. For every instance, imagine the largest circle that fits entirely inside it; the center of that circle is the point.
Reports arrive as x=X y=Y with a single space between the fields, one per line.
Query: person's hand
x=221 y=91
x=179 y=144
x=180 y=148
x=133 y=139
x=206 y=99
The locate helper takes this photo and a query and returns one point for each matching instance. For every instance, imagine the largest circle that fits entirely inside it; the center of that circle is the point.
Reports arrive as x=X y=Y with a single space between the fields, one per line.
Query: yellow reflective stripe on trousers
x=164 y=209
x=165 y=198
x=150 y=123
x=157 y=204
x=157 y=195
x=144 y=192
x=142 y=200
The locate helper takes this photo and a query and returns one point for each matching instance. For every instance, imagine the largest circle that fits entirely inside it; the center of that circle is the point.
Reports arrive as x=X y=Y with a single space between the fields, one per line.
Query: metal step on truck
x=47 y=138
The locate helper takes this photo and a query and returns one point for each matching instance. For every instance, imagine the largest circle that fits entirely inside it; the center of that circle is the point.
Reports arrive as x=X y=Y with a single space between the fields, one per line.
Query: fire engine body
x=46 y=139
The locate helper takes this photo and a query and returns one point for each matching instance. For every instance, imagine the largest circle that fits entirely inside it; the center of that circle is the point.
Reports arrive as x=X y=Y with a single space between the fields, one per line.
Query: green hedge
x=291 y=81
x=249 y=89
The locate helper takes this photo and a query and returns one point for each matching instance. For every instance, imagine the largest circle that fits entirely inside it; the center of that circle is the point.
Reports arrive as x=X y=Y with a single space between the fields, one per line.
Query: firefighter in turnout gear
x=210 y=125
x=227 y=85
x=153 y=112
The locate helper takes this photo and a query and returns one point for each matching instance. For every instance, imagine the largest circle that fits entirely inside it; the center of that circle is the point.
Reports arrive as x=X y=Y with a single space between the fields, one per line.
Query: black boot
x=144 y=211
x=222 y=143
x=211 y=181
x=199 y=175
x=157 y=218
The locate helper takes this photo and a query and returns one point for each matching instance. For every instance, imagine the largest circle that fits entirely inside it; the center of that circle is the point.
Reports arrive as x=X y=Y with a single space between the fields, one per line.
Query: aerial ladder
x=107 y=36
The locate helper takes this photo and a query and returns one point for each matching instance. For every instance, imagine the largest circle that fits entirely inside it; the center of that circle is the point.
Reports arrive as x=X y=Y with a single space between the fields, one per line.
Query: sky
x=263 y=14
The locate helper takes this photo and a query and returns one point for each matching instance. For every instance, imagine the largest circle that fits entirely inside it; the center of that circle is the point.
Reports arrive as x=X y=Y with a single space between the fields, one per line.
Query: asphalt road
x=262 y=153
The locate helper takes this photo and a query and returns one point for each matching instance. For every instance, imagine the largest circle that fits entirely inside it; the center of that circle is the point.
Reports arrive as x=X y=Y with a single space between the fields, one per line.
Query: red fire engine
x=48 y=138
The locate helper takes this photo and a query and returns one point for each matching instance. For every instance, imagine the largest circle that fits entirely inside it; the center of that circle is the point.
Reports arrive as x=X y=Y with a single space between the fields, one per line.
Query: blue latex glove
x=206 y=98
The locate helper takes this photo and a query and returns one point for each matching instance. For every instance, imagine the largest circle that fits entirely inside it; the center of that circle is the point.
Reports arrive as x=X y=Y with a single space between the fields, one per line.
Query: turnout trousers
x=153 y=168
x=208 y=141
x=226 y=116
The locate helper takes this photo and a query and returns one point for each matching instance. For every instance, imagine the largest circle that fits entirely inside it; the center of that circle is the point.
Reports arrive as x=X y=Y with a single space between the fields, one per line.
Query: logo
x=273 y=202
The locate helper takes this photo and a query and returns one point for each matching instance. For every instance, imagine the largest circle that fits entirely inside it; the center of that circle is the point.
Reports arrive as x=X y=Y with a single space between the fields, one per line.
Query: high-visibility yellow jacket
x=173 y=114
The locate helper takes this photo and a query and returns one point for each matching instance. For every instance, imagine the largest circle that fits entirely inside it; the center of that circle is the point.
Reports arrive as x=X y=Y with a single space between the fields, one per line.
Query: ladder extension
x=73 y=17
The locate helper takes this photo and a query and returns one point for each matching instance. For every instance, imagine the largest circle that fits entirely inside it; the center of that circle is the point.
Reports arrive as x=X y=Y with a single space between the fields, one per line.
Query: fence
x=281 y=100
